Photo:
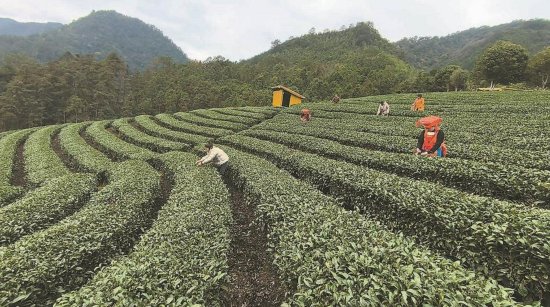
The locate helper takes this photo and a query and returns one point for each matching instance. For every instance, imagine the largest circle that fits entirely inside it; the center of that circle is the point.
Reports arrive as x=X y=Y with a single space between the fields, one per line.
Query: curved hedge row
x=175 y=124
x=151 y=127
x=45 y=206
x=264 y=110
x=115 y=146
x=332 y=257
x=506 y=240
x=202 y=121
x=86 y=157
x=133 y=135
x=181 y=260
x=42 y=266
x=236 y=112
x=8 y=149
x=224 y=117
x=488 y=179
x=478 y=152
x=41 y=161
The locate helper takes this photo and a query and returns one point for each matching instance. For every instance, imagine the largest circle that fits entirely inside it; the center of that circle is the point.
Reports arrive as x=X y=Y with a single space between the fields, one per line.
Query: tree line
x=77 y=88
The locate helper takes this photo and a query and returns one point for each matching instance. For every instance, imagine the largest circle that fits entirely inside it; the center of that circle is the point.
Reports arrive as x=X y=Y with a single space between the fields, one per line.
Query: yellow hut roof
x=280 y=87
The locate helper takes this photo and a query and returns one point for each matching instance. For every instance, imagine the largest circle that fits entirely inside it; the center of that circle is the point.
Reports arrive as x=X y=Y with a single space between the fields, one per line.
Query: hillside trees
x=72 y=88
x=442 y=77
x=504 y=62
x=539 y=67
x=100 y=33
x=458 y=79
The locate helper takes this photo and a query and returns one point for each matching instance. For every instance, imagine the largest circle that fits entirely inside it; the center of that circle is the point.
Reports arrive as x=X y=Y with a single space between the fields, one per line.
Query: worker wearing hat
x=431 y=141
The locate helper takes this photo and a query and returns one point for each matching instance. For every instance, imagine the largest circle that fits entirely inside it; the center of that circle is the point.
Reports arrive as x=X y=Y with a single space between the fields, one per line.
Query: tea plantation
x=335 y=211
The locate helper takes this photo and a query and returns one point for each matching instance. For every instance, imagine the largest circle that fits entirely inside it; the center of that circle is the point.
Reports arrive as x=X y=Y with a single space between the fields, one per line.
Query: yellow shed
x=285 y=97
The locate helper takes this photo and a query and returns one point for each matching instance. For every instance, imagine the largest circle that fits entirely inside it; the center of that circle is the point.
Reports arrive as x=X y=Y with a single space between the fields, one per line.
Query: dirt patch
x=134 y=124
x=68 y=161
x=253 y=279
x=165 y=187
x=90 y=141
x=18 y=175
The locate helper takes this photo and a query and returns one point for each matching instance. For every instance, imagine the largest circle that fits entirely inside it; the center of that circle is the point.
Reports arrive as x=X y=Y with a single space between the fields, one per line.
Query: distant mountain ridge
x=9 y=26
x=356 y=60
x=100 y=33
x=463 y=48
x=138 y=43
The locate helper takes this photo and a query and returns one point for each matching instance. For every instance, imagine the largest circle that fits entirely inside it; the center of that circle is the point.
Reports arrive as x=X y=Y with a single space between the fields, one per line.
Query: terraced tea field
x=336 y=211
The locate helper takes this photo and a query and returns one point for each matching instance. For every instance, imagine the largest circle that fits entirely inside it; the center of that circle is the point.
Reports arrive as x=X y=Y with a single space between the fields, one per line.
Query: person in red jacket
x=431 y=141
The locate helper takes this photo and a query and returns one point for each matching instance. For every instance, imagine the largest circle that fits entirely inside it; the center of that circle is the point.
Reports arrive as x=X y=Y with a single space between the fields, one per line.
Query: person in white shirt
x=216 y=156
x=383 y=109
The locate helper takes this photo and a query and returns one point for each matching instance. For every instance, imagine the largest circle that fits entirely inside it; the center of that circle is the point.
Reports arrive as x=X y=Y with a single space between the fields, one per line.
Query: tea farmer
x=305 y=115
x=418 y=104
x=431 y=141
x=383 y=108
x=216 y=156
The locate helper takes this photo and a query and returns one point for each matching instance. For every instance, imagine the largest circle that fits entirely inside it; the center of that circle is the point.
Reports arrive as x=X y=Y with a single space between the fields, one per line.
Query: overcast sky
x=240 y=29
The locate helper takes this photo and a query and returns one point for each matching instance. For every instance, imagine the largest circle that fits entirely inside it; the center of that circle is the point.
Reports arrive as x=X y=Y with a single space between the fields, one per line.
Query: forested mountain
x=354 y=61
x=99 y=34
x=463 y=48
x=11 y=27
x=351 y=62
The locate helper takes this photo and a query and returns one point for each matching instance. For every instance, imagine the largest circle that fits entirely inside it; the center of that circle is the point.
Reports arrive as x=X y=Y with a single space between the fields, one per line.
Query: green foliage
x=354 y=247
x=74 y=88
x=99 y=34
x=240 y=113
x=503 y=62
x=45 y=206
x=331 y=256
x=480 y=232
x=489 y=179
x=442 y=77
x=539 y=67
x=463 y=48
x=87 y=158
x=174 y=124
x=209 y=122
x=114 y=146
x=42 y=266
x=41 y=161
x=146 y=123
x=349 y=132
x=133 y=135
x=224 y=117
x=181 y=260
x=458 y=79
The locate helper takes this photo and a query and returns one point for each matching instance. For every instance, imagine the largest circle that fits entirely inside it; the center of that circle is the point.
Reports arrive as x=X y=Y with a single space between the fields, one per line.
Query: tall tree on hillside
x=539 y=66
x=26 y=96
x=504 y=62
x=75 y=108
x=442 y=77
x=458 y=79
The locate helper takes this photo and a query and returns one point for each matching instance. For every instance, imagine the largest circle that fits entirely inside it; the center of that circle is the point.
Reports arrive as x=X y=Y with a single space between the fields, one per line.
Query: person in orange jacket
x=418 y=104
x=305 y=115
x=431 y=141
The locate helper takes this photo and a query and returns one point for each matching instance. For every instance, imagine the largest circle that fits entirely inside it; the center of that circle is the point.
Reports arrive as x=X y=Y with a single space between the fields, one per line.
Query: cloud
x=240 y=29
